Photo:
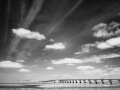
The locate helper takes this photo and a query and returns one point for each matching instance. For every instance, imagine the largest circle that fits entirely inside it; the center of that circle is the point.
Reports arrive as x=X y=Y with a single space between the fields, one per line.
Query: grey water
x=59 y=88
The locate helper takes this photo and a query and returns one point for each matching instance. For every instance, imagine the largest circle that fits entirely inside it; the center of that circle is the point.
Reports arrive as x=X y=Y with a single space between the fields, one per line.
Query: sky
x=59 y=39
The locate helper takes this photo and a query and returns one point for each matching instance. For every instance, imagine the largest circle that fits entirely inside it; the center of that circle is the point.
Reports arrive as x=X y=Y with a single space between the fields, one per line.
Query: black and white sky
x=46 y=39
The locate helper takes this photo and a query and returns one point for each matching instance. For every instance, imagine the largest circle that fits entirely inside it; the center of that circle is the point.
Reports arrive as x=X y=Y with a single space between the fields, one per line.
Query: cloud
x=66 y=75
x=70 y=64
x=110 y=43
x=55 y=46
x=20 y=61
x=49 y=68
x=114 y=41
x=51 y=40
x=23 y=33
x=103 y=30
x=9 y=64
x=93 y=72
x=92 y=59
x=85 y=48
x=100 y=71
x=24 y=70
x=103 y=45
x=85 y=67
x=100 y=58
x=90 y=70
x=67 y=61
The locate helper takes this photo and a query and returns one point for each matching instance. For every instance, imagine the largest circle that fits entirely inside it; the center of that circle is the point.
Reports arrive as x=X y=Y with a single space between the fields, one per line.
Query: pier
x=90 y=81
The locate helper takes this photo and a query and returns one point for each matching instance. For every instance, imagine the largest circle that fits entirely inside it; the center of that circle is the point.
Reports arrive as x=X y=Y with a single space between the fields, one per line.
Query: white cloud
x=112 y=71
x=90 y=70
x=34 y=65
x=103 y=45
x=114 y=41
x=66 y=75
x=24 y=70
x=85 y=48
x=67 y=61
x=92 y=59
x=103 y=30
x=55 y=46
x=23 y=33
x=110 y=43
x=9 y=64
x=70 y=64
x=85 y=67
x=101 y=72
x=100 y=58
x=51 y=40
x=49 y=68
x=20 y=61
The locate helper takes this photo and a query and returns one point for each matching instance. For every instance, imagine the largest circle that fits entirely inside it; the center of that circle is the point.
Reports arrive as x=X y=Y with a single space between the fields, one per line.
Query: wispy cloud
x=10 y=64
x=67 y=61
x=55 y=46
x=24 y=33
x=24 y=70
x=49 y=68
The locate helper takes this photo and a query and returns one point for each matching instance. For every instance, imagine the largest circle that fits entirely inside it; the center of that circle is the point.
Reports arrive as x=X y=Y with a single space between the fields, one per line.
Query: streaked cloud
x=23 y=33
x=85 y=67
x=49 y=68
x=24 y=70
x=67 y=61
x=55 y=46
x=85 y=48
x=10 y=64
